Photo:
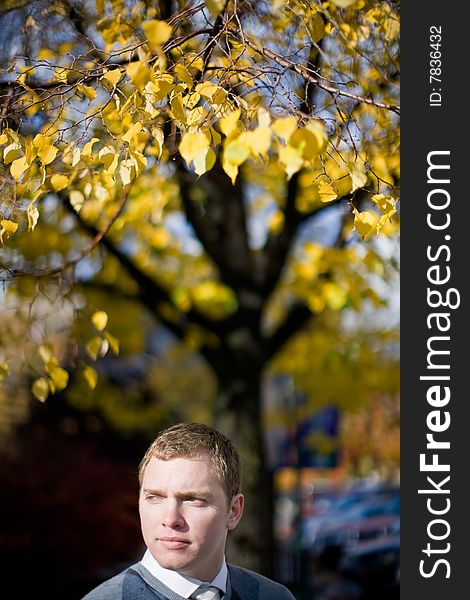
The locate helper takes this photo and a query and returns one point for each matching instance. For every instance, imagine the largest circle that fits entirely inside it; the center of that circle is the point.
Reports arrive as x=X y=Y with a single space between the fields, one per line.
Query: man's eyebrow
x=152 y=491
x=181 y=494
x=198 y=493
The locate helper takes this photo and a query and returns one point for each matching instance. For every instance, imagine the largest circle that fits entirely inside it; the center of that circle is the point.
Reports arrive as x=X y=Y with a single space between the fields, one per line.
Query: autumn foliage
x=228 y=168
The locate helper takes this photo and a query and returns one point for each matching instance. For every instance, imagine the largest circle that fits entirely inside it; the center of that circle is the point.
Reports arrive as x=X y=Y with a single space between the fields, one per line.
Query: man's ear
x=235 y=511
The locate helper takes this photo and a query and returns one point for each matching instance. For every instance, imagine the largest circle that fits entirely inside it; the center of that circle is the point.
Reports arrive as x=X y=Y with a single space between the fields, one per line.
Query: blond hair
x=191 y=440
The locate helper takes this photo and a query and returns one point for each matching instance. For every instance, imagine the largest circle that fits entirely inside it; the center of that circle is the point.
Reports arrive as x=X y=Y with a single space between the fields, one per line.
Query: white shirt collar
x=182 y=584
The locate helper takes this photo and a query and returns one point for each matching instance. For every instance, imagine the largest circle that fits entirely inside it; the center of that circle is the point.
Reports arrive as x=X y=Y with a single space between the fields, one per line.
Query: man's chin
x=175 y=559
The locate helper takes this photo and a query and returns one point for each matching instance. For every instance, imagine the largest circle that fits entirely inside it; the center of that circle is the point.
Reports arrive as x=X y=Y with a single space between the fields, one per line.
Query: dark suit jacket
x=137 y=583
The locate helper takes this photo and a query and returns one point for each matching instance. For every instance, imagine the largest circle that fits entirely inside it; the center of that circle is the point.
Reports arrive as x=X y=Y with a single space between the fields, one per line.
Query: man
x=190 y=498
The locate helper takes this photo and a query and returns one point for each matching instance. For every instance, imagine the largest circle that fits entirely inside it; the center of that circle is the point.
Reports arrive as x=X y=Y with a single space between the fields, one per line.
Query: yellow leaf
x=177 y=108
x=198 y=115
x=109 y=158
x=30 y=151
x=259 y=140
x=386 y=204
x=40 y=389
x=76 y=155
x=150 y=101
x=45 y=54
x=91 y=376
x=18 y=167
x=87 y=91
x=46 y=354
x=316 y=27
x=76 y=200
x=326 y=192
x=212 y=92
x=138 y=160
x=33 y=216
x=96 y=347
x=113 y=342
x=161 y=87
x=343 y=3
x=230 y=122
x=184 y=75
x=230 y=169
x=59 y=378
x=125 y=171
x=132 y=132
x=192 y=144
x=207 y=89
x=3 y=138
x=47 y=154
x=216 y=137
x=291 y=158
x=11 y=152
x=8 y=226
x=99 y=320
x=319 y=191
x=236 y=153
x=158 y=138
x=113 y=76
x=12 y=135
x=204 y=161
x=157 y=32
x=383 y=222
x=42 y=171
x=285 y=127
x=311 y=139
x=358 y=177
x=365 y=223
x=59 y=182
x=46 y=151
x=190 y=101
x=88 y=147
x=139 y=74
x=214 y=6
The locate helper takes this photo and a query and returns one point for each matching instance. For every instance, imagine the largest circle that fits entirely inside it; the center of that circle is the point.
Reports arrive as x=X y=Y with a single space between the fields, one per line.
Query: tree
x=216 y=162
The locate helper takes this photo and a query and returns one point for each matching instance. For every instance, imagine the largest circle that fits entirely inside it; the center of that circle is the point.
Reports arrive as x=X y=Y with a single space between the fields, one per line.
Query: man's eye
x=195 y=500
x=153 y=498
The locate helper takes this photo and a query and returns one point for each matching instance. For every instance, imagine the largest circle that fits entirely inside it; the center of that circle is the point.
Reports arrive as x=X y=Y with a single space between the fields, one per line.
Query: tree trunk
x=240 y=418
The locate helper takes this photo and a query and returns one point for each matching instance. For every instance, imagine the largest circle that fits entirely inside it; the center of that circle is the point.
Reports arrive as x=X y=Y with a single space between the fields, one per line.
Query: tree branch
x=148 y=287
x=277 y=247
x=98 y=236
x=301 y=70
x=220 y=224
x=297 y=317
x=213 y=37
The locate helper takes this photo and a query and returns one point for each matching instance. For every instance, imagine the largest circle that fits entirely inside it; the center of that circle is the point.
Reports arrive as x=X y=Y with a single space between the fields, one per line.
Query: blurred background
x=68 y=472
x=266 y=306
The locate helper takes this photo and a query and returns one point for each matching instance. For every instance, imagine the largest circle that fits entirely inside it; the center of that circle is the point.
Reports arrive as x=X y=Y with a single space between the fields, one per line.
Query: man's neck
x=179 y=583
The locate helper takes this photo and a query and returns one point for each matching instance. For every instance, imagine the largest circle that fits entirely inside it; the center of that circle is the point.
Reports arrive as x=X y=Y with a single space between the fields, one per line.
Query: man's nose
x=172 y=515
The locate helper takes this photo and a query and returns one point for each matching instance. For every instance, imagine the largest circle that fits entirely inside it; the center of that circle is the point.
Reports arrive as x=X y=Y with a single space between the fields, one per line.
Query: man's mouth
x=174 y=543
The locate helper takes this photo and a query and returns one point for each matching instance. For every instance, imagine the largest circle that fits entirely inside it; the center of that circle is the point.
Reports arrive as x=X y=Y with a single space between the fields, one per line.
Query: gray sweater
x=137 y=583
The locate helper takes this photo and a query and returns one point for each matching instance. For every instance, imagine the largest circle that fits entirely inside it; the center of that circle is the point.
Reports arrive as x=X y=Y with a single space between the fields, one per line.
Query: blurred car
x=371 y=528
x=331 y=508
x=369 y=519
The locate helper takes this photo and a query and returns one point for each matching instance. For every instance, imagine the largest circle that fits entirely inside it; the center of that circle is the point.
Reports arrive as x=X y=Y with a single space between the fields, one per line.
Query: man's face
x=184 y=515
